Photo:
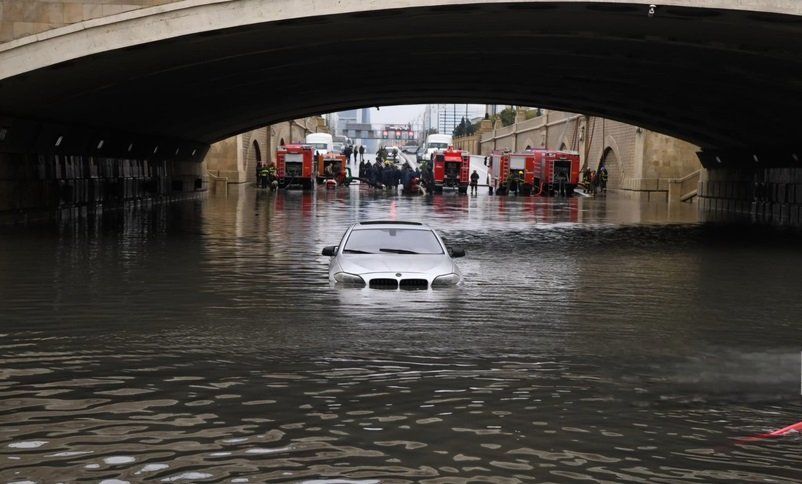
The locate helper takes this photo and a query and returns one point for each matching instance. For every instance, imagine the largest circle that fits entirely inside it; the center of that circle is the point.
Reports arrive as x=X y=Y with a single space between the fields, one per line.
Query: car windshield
x=319 y=146
x=438 y=145
x=392 y=241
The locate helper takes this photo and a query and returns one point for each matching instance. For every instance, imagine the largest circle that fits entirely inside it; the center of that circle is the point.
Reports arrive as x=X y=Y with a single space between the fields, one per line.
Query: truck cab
x=434 y=142
x=451 y=169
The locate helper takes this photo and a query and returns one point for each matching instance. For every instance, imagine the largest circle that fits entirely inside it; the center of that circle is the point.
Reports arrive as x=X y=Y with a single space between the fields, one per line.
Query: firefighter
x=474 y=183
x=271 y=176
x=586 y=180
x=513 y=181
x=603 y=179
x=263 y=174
x=426 y=175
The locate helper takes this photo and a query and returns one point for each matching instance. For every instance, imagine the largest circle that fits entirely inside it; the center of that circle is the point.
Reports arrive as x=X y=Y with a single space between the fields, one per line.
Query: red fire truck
x=503 y=164
x=556 y=172
x=294 y=166
x=538 y=171
x=332 y=166
x=450 y=169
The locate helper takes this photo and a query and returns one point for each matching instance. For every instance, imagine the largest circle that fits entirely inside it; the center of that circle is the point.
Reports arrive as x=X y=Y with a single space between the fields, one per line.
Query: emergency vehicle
x=332 y=166
x=538 y=171
x=295 y=166
x=555 y=168
x=504 y=164
x=450 y=169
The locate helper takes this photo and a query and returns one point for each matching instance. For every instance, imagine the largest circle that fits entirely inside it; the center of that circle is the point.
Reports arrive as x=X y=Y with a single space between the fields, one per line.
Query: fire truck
x=450 y=169
x=332 y=166
x=503 y=164
x=556 y=172
x=537 y=171
x=294 y=166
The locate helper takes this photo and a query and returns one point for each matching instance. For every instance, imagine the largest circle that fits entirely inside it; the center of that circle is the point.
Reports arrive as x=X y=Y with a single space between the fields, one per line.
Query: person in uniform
x=474 y=183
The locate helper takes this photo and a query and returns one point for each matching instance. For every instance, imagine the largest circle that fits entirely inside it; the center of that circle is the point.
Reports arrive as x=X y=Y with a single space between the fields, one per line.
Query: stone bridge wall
x=640 y=162
x=20 y=18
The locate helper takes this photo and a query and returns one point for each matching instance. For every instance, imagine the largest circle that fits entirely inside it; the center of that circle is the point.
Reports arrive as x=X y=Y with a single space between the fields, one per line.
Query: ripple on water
x=590 y=340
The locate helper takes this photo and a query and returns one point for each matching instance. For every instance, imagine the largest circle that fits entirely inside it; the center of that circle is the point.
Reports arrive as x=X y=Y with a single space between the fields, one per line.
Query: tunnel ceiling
x=719 y=79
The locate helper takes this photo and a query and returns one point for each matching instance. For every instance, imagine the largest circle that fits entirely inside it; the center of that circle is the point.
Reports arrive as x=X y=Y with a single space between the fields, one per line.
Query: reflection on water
x=597 y=340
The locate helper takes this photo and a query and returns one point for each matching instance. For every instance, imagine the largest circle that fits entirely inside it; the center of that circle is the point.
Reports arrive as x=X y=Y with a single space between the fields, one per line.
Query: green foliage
x=533 y=113
x=507 y=117
x=464 y=128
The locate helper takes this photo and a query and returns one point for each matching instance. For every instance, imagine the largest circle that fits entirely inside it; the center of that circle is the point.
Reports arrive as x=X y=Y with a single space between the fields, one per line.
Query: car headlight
x=446 y=280
x=346 y=278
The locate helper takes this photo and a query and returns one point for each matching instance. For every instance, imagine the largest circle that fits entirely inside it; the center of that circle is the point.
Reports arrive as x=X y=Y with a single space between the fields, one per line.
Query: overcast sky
x=396 y=114
x=413 y=113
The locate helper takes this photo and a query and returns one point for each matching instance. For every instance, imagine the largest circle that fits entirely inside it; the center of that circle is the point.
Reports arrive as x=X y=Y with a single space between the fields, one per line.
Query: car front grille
x=384 y=284
x=414 y=284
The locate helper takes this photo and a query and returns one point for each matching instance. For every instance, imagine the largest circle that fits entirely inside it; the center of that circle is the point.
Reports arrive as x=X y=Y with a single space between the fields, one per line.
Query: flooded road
x=593 y=340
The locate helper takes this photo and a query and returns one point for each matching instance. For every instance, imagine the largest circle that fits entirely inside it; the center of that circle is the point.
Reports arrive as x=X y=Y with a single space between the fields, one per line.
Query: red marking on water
x=797 y=427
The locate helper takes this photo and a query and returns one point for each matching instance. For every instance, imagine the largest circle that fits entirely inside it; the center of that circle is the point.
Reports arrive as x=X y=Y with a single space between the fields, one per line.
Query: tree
x=464 y=128
x=459 y=130
x=469 y=128
x=507 y=117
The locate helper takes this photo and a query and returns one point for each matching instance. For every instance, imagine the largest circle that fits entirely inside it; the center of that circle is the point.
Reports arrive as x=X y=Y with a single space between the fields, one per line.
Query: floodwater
x=598 y=340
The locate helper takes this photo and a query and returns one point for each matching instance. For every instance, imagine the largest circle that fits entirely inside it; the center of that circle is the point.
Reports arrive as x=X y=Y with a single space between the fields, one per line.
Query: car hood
x=403 y=263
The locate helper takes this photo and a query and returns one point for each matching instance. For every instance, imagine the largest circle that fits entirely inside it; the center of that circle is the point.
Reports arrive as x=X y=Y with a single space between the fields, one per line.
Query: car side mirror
x=330 y=251
x=456 y=252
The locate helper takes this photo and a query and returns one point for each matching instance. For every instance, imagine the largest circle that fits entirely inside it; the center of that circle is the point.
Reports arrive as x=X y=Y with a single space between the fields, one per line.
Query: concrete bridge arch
x=159 y=85
x=610 y=160
x=721 y=74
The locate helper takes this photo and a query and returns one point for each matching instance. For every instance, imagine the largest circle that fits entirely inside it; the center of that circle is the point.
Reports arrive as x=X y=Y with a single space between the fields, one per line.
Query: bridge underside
x=729 y=81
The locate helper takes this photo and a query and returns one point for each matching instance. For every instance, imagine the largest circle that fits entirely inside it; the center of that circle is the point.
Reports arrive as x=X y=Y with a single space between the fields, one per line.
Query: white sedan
x=393 y=255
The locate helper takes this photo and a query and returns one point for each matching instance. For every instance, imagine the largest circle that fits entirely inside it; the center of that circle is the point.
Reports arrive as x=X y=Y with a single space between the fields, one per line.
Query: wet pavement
x=599 y=340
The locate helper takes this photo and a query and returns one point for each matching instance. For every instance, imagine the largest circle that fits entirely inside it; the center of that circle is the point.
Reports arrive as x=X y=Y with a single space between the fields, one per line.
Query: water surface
x=593 y=339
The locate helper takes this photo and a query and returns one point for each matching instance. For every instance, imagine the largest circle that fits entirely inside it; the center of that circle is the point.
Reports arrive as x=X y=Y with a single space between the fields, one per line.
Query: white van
x=434 y=142
x=320 y=142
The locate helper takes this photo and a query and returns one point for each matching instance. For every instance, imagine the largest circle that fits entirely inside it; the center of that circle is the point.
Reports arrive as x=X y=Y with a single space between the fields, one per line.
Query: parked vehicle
x=537 y=171
x=393 y=152
x=332 y=166
x=434 y=142
x=320 y=142
x=295 y=166
x=450 y=168
x=393 y=255
x=556 y=168
x=411 y=147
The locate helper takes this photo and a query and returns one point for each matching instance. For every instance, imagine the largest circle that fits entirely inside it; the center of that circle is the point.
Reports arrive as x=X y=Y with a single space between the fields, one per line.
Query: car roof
x=391 y=223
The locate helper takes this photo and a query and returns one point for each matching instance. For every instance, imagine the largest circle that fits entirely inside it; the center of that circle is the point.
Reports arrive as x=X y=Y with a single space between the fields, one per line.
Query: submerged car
x=393 y=255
